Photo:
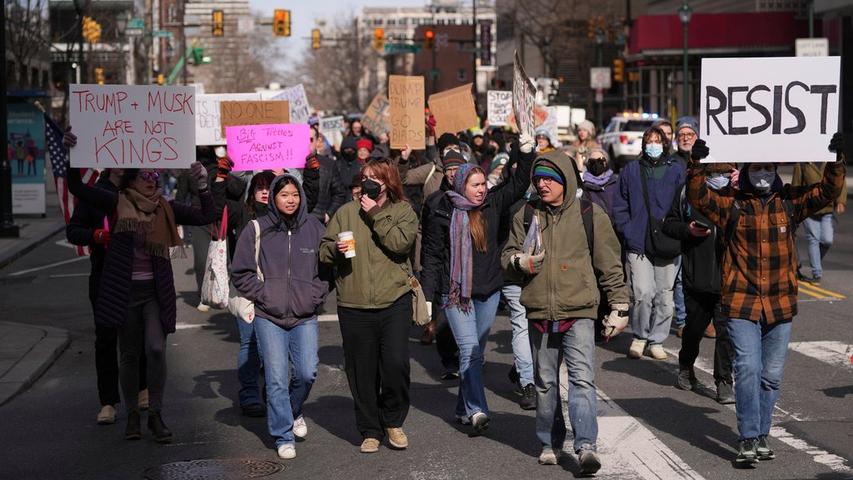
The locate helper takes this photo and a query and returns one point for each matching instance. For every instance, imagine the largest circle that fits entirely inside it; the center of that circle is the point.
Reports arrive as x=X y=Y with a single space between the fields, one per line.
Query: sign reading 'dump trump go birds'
x=132 y=126
x=779 y=109
x=406 y=95
x=263 y=147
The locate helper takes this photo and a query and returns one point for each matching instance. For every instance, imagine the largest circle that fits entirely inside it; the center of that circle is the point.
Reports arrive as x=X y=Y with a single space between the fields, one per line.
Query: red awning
x=742 y=31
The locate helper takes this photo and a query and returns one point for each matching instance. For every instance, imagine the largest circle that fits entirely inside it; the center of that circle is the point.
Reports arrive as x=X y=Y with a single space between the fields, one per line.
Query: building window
x=461 y=75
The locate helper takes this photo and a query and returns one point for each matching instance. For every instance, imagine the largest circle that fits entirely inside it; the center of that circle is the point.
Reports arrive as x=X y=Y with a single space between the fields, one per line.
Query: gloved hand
x=836 y=145
x=616 y=321
x=312 y=163
x=526 y=143
x=199 y=175
x=529 y=263
x=700 y=150
x=69 y=139
x=101 y=236
x=430 y=126
x=223 y=167
x=429 y=309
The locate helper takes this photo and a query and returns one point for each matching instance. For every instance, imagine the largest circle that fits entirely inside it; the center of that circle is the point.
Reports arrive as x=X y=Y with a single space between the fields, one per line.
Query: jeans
x=142 y=329
x=577 y=348
x=819 y=232
x=471 y=330
x=520 y=341
x=702 y=309
x=760 y=352
x=652 y=280
x=287 y=389
x=678 y=298
x=248 y=364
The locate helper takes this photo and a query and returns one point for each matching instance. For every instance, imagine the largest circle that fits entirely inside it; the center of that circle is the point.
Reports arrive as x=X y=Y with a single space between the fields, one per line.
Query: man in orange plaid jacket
x=759 y=290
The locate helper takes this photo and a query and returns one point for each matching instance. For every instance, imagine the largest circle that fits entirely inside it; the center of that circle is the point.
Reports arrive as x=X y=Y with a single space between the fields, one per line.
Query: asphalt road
x=648 y=429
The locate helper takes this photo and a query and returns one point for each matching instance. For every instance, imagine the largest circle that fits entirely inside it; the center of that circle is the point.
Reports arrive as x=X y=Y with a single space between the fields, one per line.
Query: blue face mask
x=654 y=150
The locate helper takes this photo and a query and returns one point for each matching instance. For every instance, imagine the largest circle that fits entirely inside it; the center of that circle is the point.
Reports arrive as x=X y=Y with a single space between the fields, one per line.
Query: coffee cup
x=348 y=238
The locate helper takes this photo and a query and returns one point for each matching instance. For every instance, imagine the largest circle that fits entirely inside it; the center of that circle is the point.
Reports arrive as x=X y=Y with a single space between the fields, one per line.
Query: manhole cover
x=214 y=469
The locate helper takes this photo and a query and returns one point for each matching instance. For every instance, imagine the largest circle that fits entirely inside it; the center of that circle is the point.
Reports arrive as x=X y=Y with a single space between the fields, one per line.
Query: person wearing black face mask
x=348 y=165
x=599 y=180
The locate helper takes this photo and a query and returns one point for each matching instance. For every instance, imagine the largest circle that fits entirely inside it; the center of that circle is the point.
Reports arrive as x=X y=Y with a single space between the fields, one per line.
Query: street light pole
x=8 y=229
x=684 y=13
x=80 y=7
x=599 y=41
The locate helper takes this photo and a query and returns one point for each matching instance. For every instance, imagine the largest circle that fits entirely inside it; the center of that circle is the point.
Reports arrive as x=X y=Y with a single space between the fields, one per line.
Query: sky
x=304 y=12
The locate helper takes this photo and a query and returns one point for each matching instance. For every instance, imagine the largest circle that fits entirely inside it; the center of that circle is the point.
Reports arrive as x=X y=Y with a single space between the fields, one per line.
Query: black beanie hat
x=446 y=139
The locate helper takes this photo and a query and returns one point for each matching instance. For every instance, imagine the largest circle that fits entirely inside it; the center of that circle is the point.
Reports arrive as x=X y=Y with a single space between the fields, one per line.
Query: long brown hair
x=389 y=175
x=476 y=220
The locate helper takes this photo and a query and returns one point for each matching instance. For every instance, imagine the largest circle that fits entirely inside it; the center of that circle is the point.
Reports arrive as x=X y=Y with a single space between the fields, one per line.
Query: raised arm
x=809 y=199
x=523 y=155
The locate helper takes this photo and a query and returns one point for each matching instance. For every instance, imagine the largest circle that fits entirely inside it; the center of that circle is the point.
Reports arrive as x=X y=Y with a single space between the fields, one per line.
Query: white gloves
x=526 y=143
x=616 y=321
x=529 y=263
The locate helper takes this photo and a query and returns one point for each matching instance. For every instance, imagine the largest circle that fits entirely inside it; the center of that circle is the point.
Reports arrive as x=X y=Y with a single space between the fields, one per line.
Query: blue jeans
x=678 y=298
x=760 y=352
x=520 y=342
x=471 y=330
x=286 y=390
x=577 y=348
x=248 y=364
x=652 y=280
x=819 y=235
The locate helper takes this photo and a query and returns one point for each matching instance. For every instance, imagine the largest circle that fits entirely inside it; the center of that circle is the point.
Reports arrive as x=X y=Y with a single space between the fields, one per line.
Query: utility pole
x=474 y=52
x=8 y=229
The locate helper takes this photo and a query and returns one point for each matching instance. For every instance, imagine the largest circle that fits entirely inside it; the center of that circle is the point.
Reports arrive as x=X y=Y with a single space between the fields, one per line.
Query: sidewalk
x=34 y=230
x=25 y=353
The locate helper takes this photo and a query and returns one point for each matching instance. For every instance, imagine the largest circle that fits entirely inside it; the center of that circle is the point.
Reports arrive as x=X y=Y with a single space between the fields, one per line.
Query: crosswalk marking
x=831 y=352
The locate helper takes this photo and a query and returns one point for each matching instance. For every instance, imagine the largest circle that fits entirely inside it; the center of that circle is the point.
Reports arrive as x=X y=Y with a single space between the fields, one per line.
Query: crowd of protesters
x=574 y=251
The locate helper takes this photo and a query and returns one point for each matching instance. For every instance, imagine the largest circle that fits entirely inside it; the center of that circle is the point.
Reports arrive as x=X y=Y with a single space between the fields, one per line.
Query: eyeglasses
x=545 y=180
x=152 y=176
x=687 y=136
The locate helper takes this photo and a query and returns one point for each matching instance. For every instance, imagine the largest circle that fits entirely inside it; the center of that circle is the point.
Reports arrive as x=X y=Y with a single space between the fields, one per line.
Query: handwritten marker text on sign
x=261 y=147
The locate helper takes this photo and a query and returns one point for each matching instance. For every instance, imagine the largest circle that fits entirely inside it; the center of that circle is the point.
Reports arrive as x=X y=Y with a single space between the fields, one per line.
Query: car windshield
x=637 y=125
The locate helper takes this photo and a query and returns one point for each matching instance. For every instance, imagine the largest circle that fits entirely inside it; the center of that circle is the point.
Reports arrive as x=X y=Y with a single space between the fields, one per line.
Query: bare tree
x=27 y=34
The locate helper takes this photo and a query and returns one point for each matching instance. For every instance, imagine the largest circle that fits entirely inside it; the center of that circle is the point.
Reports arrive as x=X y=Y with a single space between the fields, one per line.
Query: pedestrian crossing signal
x=379 y=39
x=218 y=23
x=315 y=38
x=281 y=22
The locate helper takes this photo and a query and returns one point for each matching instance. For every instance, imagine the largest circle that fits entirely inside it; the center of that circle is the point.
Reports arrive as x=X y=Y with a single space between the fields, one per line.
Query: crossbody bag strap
x=257 y=227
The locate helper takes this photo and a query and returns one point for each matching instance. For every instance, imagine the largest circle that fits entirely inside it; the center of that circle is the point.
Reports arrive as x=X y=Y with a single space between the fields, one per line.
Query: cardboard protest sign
x=377 y=117
x=300 y=110
x=523 y=97
x=779 y=109
x=208 y=130
x=454 y=110
x=499 y=107
x=268 y=147
x=406 y=95
x=253 y=112
x=132 y=126
x=333 y=129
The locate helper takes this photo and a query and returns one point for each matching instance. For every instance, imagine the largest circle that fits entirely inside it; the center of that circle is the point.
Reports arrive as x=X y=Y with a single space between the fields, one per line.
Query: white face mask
x=717 y=181
x=219 y=151
x=762 y=180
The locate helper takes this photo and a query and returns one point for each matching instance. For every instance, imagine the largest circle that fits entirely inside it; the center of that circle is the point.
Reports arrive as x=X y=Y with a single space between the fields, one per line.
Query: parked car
x=623 y=137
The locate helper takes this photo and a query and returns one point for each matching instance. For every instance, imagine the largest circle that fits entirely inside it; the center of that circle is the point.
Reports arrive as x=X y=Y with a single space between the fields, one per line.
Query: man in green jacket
x=549 y=246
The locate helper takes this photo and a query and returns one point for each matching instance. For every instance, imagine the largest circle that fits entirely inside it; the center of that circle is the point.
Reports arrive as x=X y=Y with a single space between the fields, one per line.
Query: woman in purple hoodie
x=285 y=285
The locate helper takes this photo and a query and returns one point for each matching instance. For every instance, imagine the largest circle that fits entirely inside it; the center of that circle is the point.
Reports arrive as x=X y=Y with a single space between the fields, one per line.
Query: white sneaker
x=107 y=415
x=547 y=457
x=286 y=451
x=300 y=429
x=657 y=352
x=202 y=307
x=142 y=399
x=637 y=348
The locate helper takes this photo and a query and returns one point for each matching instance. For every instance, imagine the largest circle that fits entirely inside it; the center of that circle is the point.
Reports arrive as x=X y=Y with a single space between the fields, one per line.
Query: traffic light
x=218 y=23
x=99 y=76
x=281 y=22
x=429 y=39
x=316 y=38
x=379 y=39
x=161 y=79
x=91 y=30
x=618 y=70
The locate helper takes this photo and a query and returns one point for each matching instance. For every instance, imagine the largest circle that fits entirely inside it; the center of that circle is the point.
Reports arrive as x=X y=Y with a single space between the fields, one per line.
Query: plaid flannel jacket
x=760 y=263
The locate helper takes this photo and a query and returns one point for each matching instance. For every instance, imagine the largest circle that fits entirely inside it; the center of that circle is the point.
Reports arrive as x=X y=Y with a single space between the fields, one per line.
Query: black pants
x=702 y=308
x=200 y=240
x=143 y=331
x=106 y=356
x=445 y=342
x=376 y=351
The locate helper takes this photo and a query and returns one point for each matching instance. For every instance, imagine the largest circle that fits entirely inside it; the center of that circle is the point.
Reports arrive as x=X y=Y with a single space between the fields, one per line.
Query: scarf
x=152 y=222
x=461 y=244
x=600 y=180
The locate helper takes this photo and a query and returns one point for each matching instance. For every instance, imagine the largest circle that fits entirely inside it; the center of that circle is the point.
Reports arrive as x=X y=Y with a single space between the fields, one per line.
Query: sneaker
x=588 y=460
x=686 y=379
x=253 y=410
x=133 y=431
x=763 y=450
x=370 y=445
x=657 y=352
x=450 y=374
x=480 y=422
x=161 y=433
x=463 y=419
x=746 y=455
x=107 y=415
x=637 y=348
x=725 y=393
x=528 y=397
x=142 y=399
x=286 y=451
x=202 y=308
x=547 y=457
x=397 y=438
x=679 y=332
x=300 y=429
x=815 y=281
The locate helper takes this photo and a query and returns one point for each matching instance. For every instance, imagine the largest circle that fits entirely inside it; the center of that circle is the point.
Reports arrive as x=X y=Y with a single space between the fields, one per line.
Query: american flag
x=59 y=162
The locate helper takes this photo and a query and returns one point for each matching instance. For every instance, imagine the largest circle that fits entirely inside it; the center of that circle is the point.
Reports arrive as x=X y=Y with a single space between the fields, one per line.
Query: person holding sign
x=759 y=290
x=282 y=278
x=137 y=293
x=461 y=262
x=369 y=241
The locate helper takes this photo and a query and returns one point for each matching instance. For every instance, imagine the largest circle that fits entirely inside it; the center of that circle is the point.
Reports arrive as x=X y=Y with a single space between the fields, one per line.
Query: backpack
x=586 y=217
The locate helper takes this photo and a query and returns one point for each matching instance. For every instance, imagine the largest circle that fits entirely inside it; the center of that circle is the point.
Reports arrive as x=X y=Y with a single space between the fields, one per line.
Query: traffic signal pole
x=8 y=229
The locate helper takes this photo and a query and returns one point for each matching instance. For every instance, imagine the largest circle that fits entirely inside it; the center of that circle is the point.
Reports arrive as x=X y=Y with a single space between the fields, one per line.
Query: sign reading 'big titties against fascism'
x=133 y=126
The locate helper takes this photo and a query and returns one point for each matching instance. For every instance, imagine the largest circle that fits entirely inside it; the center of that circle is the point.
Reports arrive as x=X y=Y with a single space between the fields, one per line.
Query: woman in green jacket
x=374 y=300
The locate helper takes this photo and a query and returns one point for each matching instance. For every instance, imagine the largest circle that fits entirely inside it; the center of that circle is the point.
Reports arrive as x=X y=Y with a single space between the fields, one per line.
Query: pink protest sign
x=267 y=147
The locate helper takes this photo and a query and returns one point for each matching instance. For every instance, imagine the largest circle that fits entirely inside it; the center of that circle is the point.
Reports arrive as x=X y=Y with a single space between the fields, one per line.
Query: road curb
x=35 y=362
x=31 y=245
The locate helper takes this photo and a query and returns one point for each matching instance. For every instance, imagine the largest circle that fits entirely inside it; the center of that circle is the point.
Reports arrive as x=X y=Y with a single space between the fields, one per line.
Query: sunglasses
x=152 y=176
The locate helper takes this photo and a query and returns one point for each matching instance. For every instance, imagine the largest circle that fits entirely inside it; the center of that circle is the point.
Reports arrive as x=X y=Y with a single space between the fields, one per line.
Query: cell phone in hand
x=701 y=224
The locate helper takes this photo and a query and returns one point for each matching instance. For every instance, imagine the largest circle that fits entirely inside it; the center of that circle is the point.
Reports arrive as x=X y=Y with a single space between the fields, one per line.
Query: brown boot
x=429 y=333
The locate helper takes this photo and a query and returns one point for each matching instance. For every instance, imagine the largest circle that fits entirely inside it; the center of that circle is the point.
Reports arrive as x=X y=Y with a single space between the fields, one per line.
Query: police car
x=623 y=137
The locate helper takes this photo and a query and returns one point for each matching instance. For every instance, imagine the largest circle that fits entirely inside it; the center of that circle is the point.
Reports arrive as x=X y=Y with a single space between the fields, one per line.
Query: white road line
x=823 y=457
x=64 y=243
x=187 y=326
x=51 y=265
x=830 y=352
x=69 y=275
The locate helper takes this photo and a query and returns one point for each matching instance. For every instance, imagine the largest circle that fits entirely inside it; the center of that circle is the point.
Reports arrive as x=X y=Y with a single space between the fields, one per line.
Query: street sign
x=135 y=27
x=161 y=34
x=402 y=48
x=599 y=95
x=599 y=77
x=812 y=47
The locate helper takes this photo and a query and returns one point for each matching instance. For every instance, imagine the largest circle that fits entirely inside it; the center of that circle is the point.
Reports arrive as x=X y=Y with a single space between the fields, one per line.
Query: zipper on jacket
x=289 y=263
